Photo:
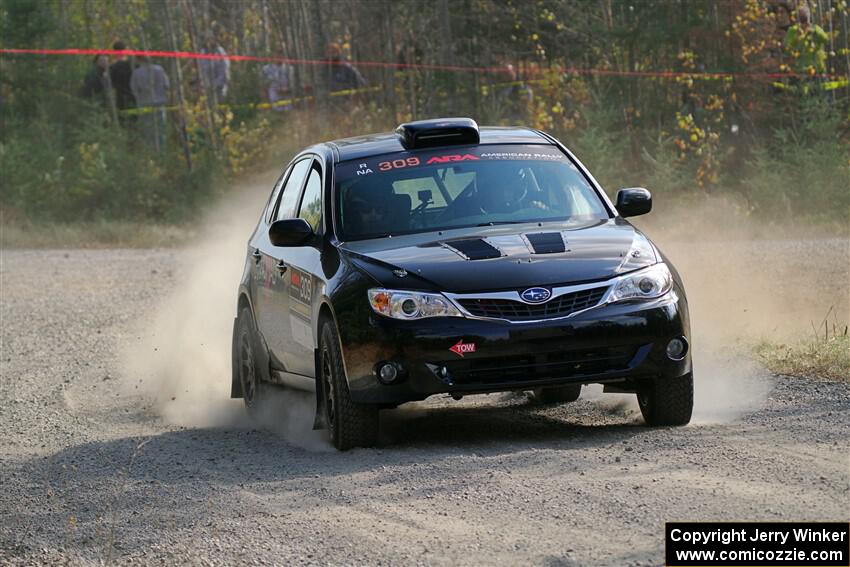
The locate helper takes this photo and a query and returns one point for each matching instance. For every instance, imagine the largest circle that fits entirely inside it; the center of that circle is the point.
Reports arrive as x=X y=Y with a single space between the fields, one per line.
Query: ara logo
x=451 y=158
x=535 y=295
x=460 y=348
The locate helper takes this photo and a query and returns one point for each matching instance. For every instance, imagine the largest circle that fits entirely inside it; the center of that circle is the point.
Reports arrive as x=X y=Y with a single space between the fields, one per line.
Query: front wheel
x=350 y=424
x=667 y=401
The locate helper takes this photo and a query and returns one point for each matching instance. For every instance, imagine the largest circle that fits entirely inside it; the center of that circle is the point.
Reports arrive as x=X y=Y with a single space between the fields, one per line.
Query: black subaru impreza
x=444 y=258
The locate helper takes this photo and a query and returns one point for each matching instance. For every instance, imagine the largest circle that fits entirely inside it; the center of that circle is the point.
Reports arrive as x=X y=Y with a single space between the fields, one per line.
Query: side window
x=289 y=199
x=269 y=210
x=311 y=203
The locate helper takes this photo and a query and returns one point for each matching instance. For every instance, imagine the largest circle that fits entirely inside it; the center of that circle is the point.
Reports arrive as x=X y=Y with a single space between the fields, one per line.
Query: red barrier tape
x=424 y=66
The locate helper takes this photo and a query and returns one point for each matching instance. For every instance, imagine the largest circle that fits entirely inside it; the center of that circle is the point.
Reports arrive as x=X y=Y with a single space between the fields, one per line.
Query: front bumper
x=617 y=344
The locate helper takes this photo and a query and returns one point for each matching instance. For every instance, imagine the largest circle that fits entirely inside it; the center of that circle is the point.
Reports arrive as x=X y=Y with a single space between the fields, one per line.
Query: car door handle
x=257 y=255
x=281 y=267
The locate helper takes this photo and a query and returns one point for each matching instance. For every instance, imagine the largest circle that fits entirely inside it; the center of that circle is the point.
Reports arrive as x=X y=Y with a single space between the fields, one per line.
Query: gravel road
x=95 y=467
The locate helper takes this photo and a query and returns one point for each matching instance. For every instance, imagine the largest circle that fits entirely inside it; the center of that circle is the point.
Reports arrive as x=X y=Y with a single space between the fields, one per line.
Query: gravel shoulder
x=92 y=470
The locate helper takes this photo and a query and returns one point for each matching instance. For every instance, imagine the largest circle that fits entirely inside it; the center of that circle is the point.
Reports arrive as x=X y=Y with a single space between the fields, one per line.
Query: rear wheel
x=559 y=394
x=254 y=390
x=350 y=424
x=667 y=401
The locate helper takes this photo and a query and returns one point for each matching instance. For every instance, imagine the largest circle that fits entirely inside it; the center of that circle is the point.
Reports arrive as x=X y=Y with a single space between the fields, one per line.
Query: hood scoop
x=547 y=242
x=473 y=249
x=509 y=245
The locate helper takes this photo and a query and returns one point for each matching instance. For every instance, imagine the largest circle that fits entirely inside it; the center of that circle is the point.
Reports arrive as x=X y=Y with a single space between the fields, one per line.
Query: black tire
x=558 y=394
x=350 y=424
x=255 y=392
x=667 y=401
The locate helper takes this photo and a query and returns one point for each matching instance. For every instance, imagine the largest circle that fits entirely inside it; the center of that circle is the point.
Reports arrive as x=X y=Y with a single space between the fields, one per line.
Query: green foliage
x=25 y=22
x=602 y=148
x=664 y=172
x=802 y=171
x=97 y=173
x=781 y=144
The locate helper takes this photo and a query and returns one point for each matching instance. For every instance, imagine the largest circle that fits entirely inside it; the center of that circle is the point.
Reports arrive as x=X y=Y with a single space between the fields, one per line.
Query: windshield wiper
x=494 y=223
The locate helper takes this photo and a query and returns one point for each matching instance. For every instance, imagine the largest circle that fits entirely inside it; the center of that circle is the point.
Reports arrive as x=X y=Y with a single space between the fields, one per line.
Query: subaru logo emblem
x=535 y=295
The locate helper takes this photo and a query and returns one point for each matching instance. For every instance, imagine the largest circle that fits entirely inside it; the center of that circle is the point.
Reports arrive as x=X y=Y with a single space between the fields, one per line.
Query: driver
x=500 y=187
x=366 y=211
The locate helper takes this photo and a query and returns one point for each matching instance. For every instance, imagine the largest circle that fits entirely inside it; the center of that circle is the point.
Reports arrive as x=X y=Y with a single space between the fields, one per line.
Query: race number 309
x=398 y=163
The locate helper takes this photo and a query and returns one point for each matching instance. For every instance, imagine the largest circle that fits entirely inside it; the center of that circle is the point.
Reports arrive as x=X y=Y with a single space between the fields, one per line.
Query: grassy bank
x=824 y=358
x=101 y=234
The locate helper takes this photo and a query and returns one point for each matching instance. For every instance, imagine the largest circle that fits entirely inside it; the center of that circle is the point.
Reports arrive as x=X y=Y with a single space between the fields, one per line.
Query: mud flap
x=236 y=384
x=262 y=358
x=319 y=421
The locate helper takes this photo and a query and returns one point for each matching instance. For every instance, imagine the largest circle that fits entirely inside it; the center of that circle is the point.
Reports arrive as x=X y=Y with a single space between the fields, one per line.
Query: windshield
x=425 y=191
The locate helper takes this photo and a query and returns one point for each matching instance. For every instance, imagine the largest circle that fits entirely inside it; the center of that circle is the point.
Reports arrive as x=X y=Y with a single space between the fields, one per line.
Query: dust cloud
x=744 y=283
x=180 y=357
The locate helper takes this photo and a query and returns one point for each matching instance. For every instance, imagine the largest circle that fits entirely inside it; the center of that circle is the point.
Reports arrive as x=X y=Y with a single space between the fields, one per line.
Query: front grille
x=511 y=310
x=542 y=366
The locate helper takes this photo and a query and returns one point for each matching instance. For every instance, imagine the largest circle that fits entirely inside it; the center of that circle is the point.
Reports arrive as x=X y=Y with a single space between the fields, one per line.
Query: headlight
x=648 y=283
x=411 y=304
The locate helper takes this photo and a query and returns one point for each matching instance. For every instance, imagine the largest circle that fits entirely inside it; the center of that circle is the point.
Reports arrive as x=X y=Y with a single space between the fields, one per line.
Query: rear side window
x=269 y=210
x=311 y=203
x=291 y=190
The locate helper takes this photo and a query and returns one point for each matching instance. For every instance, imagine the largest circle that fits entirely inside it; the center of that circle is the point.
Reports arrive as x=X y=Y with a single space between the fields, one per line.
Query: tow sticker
x=460 y=348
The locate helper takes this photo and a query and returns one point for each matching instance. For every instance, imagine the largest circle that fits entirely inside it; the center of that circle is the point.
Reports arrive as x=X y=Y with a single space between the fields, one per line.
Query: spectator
x=96 y=85
x=215 y=73
x=150 y=87
x=343 y=75
x=120 y=73
x=512 y=93
x=807 y=44
x=277 y=84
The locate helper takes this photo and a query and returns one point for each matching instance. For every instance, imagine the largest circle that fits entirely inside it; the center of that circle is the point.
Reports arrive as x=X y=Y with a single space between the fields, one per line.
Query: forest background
x=698 y=100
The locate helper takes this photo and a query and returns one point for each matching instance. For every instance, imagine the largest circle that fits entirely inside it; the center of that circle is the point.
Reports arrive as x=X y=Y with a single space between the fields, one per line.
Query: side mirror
x=290 y=232
x=633 y=202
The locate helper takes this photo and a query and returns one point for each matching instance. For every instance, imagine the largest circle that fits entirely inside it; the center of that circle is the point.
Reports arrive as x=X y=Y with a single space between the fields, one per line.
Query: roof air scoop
x=438 y=132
